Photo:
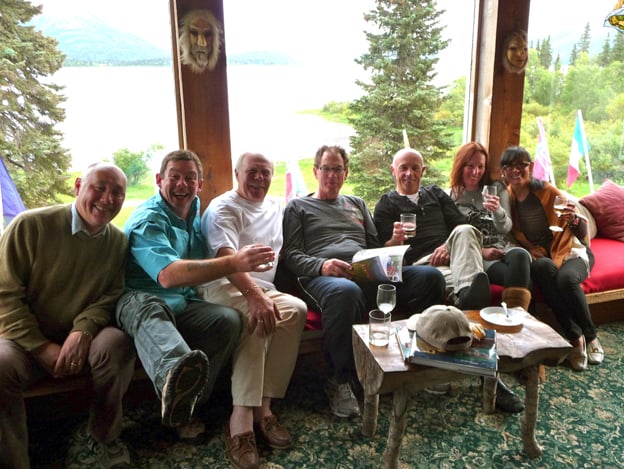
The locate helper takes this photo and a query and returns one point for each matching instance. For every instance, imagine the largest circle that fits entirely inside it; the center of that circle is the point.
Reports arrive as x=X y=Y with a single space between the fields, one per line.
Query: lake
x=109 y=108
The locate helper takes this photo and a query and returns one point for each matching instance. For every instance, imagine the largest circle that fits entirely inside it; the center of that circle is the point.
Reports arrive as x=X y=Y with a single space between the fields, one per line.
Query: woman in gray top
x=504 y=262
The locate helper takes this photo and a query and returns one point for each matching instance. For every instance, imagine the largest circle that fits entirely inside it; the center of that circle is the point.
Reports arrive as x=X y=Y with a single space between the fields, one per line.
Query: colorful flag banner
x=579 y=149
x=295 y=184
x=10 y=201
x=542 y=169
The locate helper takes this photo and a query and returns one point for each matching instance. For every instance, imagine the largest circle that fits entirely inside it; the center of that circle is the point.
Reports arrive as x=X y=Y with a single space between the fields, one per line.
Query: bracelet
x=246 y=292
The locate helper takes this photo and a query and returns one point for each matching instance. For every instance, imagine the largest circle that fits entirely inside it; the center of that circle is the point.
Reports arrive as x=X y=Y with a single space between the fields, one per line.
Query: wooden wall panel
x=202 y=106
x=495 y=94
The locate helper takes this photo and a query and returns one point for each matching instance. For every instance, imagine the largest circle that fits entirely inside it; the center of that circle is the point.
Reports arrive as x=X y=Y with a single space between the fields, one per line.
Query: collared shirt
x=156 y=238
x=78 y=225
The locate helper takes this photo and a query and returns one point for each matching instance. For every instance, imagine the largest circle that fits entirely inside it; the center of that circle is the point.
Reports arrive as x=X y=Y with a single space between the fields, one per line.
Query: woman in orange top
x=558 y=244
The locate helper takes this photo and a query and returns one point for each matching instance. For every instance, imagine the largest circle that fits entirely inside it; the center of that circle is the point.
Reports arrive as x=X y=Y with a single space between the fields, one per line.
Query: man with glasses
x=322 y=232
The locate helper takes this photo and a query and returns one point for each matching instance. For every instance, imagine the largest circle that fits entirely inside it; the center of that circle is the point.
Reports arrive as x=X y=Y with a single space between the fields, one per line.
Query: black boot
x=506 y=399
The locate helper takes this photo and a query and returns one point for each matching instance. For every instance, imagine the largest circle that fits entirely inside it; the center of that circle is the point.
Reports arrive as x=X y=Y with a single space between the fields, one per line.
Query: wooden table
x=382 y=370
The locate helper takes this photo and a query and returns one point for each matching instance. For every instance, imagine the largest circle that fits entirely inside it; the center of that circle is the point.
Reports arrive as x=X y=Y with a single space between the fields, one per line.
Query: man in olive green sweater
x=61 y=273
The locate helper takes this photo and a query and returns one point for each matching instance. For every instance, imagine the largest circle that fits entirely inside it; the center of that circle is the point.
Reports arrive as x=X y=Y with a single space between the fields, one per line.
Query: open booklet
x=479 y=359
x=379 y=265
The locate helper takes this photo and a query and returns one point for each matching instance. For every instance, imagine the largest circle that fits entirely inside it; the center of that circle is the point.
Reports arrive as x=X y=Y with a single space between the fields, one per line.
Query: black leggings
x=563 y=293
x=513 y=270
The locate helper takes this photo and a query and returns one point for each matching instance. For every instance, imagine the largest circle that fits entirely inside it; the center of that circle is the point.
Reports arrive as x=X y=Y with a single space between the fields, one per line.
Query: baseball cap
x=444 y=328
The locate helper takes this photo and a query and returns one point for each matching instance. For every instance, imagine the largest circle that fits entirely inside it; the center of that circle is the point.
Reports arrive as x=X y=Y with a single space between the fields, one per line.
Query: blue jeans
x=343 y=303
x=161 y=337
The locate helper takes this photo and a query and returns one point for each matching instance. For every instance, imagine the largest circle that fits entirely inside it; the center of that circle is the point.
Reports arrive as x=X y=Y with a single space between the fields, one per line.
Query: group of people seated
x=189 y=293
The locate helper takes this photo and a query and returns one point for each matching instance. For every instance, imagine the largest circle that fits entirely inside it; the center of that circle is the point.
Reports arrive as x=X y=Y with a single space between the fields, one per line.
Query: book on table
x=379 y=265
x=479 y=359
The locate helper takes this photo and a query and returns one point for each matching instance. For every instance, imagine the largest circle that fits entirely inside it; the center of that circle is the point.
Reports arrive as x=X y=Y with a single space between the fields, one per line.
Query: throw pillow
x=607 y=207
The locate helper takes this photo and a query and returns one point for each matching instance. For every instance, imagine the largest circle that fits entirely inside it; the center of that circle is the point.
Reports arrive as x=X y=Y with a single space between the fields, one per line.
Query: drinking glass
x=386 y=297
x=379 y=328
x=271 y=244
x=408 y=220
x=488 y=191
x=560 y=204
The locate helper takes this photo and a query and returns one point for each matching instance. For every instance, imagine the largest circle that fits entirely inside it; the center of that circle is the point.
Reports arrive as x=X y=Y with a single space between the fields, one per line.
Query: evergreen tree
x=604 y=58
x=29 y=143
x=573 y=55
x=402 y=53
x=585 y=41
x=545 y=53
x=617 y=51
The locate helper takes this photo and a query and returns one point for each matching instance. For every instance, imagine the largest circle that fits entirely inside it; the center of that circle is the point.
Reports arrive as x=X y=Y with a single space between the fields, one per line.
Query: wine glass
x=488 y=191
x=560 y=204
x=386 y=297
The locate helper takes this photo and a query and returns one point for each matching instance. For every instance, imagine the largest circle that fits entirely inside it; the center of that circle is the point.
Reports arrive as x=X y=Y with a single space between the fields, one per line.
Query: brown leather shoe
x=273 y=433
x=241 y=449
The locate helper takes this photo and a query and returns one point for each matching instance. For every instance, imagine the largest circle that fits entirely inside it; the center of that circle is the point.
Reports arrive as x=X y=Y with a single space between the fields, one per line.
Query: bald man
x=61 y=273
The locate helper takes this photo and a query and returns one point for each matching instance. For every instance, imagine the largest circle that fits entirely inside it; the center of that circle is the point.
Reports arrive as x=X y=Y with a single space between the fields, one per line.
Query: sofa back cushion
x=607 y=207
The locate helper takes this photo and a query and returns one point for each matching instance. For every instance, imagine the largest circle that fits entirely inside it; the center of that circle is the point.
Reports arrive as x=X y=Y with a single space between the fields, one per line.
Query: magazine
x=379 y=265
x=479 y=359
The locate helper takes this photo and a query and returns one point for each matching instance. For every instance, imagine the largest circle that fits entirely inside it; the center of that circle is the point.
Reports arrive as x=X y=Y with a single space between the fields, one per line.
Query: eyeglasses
x=328 y=169
x=520 y=166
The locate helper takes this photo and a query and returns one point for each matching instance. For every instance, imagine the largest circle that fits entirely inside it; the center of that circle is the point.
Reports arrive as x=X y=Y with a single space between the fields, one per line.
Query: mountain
x=87 y=40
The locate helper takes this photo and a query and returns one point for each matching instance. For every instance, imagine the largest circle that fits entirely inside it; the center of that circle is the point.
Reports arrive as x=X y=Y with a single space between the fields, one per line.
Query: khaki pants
x=262 y=366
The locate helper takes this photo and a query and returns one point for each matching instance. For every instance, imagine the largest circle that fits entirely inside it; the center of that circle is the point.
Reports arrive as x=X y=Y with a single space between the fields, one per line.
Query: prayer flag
x=579 y=149
x=295 y=184
x=10 y=201
x=542 y=169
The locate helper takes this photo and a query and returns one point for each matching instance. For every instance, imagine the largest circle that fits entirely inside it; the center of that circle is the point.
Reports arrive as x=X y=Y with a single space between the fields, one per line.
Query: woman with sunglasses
x=558 y=243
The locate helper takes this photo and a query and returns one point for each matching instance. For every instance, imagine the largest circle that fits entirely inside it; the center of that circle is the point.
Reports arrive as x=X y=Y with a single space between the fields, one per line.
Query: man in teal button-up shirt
x=182 y=341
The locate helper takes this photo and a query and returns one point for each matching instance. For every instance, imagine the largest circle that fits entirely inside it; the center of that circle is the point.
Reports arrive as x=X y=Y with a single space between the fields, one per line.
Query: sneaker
x=342 y=401
x=439 y=389
x=595 y=353
x=193 y=432
x=477 y=295
x=114 y=454
x=182 y=388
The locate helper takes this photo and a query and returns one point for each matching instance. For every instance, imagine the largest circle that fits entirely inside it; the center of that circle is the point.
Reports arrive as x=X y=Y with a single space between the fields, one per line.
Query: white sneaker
x=113 y=455
x=595 y=353
x=342 y=401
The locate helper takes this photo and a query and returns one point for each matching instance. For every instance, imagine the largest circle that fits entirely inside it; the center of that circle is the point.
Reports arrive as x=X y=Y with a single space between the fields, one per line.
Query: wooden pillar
x=493 y=87
x=202 y=105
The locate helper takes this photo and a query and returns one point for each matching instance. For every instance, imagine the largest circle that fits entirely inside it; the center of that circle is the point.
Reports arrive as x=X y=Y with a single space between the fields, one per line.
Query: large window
x=575 y=69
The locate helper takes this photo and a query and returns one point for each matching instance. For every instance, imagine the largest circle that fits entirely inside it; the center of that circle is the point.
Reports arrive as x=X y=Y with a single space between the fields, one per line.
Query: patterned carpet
x=581 y=418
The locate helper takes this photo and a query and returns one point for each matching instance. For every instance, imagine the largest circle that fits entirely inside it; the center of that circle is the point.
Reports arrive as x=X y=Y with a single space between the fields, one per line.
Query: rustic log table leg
x=398 y=422
x=531 y=447
x=369 y=417
x=489 y=395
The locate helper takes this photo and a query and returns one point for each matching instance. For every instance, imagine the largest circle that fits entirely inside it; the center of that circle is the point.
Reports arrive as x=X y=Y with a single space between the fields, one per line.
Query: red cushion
x=607 y=207
x=607 y=273
x=313 y=322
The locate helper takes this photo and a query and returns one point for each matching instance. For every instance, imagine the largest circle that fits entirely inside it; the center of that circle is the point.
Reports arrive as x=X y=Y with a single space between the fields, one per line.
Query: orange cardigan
x=562 y=241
